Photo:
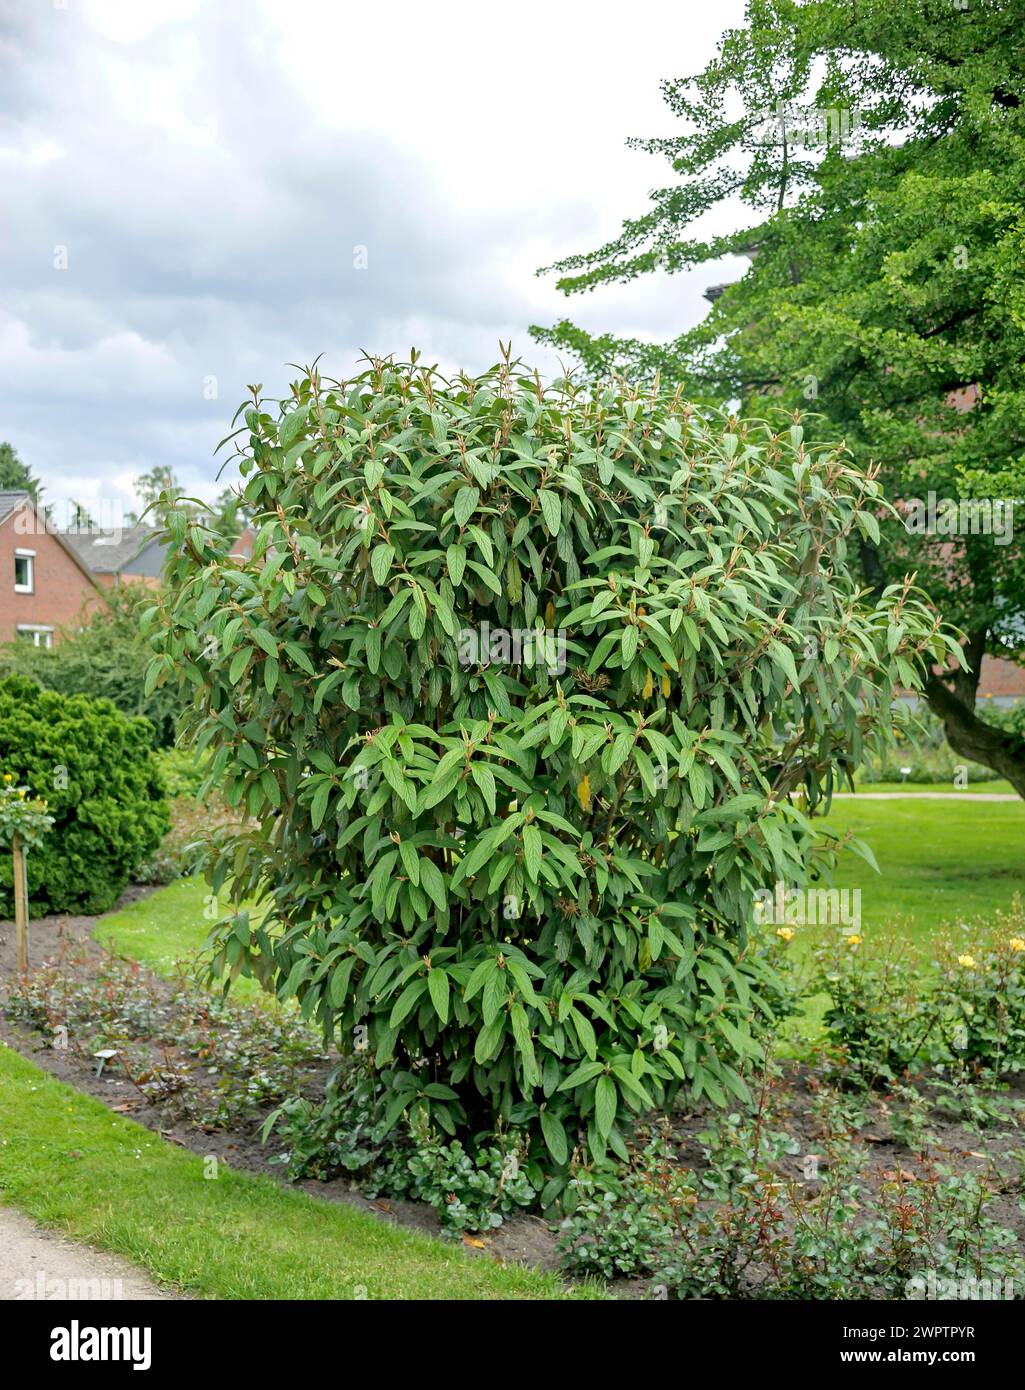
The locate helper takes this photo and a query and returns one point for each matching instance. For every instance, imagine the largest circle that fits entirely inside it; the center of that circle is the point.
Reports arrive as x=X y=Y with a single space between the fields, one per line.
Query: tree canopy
x=16 y=475
x=879 y=150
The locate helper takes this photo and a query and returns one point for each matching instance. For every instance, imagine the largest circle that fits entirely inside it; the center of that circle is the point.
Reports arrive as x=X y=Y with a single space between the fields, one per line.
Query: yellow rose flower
x=1016 y=943
x=786 y=933
x=967 y=961
x=854 y=939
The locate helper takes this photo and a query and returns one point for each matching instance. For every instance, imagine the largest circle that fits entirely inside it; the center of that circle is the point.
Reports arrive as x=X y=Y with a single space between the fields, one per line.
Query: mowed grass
x=162 y=928
x=71 y=1164
x=167 y=929
x=996 y=788
x=939 y=861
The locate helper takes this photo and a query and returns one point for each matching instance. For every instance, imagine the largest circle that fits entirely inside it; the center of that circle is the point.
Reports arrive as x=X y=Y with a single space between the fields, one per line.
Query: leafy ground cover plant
x=471 y=1188
x=517 y=685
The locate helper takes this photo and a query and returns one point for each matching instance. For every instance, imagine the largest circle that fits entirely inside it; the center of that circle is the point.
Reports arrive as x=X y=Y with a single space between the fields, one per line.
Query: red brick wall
x=1000 y=677
x=62 y=591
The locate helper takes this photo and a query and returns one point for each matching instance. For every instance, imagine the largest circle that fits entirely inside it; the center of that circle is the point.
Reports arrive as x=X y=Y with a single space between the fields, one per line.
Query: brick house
x=1001 y=682
x=44 y=586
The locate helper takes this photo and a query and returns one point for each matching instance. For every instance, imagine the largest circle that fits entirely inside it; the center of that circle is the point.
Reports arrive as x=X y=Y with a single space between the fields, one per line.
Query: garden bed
x=525 y=1240
x=198 y=1082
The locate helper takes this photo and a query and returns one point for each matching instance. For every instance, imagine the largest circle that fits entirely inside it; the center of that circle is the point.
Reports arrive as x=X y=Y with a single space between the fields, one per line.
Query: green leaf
x=437 y=982
x=465 y=504
x=239 y=662
x=410 y=860
x=433 y=883
x=551 y=509
x=340 y=978
x=606 y=1101
x=532 y=850
x=488 y=1040
x=407 y=1001
x=380 y=562
x=524 y=1043
x=319 y=804
x=455 y=560
x=554 y=1136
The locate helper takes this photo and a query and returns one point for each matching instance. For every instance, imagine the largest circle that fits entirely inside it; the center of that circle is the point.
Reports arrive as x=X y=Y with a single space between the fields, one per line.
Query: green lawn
x=162 y=928
x=71 y=1164
x=939 y=861
x=166 y=928
x=998 y=788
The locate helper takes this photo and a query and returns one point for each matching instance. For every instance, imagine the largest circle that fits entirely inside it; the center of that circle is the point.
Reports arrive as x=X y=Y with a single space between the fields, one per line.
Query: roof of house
x=108 y=552
x=10 y=500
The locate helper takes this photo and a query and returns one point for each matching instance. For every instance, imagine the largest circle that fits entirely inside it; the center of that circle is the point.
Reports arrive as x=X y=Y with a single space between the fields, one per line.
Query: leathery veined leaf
x=532 y=850
x=554 y=1136
x=524 y=1043
x=437 y=983
x=606 y=1101
x=407 y=1001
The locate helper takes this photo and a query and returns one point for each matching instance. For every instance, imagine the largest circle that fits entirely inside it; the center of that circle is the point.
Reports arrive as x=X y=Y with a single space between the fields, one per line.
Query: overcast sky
x=210 y=166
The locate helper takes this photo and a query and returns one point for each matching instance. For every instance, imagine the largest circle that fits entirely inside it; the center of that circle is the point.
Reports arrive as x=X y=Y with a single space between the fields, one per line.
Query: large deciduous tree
x=880 y=151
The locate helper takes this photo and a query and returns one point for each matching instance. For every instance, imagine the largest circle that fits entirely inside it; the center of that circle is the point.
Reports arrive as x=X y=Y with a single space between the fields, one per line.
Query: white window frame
x=30 y=587
x=37 y=631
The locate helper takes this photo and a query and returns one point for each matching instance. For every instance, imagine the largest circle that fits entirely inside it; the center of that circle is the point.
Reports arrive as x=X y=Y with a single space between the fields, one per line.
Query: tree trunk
x=20 y=901
x=953 y=699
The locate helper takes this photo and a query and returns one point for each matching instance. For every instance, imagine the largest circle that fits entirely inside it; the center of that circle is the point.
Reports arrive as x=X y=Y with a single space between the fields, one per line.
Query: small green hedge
x=96 y=770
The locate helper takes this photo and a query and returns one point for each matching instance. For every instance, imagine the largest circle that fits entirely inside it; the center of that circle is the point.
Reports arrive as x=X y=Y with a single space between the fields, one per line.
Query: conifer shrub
x=95 y=769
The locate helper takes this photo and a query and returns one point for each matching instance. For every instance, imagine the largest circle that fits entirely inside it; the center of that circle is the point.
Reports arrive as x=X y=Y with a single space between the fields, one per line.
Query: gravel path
x=35 y=1263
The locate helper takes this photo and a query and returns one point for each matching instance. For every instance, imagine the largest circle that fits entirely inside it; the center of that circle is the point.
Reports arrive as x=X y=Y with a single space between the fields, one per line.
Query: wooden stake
x=20 y=901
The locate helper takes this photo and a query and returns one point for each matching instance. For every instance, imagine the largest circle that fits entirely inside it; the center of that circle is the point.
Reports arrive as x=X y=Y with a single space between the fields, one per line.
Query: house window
x=38 y=636
x=24 y=571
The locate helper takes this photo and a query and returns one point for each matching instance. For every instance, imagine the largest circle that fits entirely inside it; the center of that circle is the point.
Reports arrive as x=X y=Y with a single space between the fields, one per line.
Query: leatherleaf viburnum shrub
x=517 y=687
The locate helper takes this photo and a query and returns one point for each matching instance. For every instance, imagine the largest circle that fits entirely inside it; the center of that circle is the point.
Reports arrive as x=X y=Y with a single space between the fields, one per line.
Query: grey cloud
x=210 y=230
